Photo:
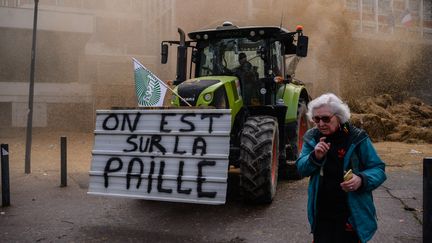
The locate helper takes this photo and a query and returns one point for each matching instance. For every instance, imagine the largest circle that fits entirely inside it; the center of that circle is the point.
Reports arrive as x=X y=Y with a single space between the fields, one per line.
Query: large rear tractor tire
x=259 y=159
x=295 y=132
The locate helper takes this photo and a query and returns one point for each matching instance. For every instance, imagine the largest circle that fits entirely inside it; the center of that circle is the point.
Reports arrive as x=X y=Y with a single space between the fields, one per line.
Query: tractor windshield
x=227 y=57
x=246 y=59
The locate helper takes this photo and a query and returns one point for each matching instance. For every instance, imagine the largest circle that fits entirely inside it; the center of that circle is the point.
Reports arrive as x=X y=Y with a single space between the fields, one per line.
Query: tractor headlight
x=208 y=97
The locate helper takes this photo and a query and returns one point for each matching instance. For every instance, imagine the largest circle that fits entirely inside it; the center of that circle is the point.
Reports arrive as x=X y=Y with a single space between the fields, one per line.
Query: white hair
x=334 y=103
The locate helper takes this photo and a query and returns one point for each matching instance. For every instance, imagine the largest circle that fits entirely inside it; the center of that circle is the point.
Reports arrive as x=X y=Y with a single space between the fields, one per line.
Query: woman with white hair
x=344 y=169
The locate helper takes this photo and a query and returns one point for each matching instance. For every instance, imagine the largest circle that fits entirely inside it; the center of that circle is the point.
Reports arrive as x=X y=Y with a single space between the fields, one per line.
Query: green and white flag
x=150 y=90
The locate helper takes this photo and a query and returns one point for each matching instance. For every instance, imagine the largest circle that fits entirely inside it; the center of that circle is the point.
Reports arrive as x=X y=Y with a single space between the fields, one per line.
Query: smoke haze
x=340 y=60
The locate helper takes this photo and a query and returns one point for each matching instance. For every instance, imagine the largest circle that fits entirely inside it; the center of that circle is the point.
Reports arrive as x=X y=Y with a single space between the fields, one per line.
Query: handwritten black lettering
x=163 y=122
x=127 y=120
x=202 y=146
x=180 y=181
x=108 y=168
x=210 y=116
x=137 y=175
x=150 y=144
x=155 y=139
x=191 y=125
x=150 y=176
x=130 y=141
x=176 y=147
x=160 y=179
x=201 y=180
x=105 y=122
x=141 y=149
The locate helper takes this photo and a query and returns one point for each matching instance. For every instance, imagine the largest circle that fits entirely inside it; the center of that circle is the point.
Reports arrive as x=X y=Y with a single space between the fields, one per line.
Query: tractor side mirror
x=302 y=46
x=164 y=53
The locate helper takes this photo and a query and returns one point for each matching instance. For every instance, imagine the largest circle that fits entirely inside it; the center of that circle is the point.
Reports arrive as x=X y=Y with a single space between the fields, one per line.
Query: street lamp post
x=27 y=168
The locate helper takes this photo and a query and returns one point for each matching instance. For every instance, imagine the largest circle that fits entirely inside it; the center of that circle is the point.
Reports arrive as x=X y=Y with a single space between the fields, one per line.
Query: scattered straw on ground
x=386 y=118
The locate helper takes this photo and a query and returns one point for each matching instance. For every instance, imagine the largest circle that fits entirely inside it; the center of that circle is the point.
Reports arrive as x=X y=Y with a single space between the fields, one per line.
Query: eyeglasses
x=325 y=119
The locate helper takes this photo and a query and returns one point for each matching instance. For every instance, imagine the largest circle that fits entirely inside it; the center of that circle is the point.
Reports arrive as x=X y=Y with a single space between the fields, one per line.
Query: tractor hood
x=191 y=89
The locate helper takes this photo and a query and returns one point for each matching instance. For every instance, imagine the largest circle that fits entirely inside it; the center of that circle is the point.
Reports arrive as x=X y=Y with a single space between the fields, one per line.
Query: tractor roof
x=228 y=30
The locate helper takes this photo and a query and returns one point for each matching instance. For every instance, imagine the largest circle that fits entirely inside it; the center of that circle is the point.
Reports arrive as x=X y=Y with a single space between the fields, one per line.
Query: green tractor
x=248 y=70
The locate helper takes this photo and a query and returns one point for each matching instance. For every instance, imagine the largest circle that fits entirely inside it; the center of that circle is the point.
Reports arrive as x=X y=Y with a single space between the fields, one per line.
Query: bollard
x=63 y=161
x=427 y=199
x=5 y=175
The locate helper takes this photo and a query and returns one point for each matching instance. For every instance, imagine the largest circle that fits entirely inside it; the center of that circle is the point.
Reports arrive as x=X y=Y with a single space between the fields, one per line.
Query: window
x=277 y=61
x=427 y=10
x=384 y=7
x=368 y=6
x=221 y=57
x=414 y=5
x=352 y=5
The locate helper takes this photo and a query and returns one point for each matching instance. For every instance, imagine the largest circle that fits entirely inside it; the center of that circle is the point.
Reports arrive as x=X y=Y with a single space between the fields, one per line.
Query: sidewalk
x=42 y=211
x=399 y=203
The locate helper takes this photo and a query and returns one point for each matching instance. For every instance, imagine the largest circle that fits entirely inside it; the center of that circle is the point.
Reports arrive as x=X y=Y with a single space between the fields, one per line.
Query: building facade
x=391 y=16
x=84 y=47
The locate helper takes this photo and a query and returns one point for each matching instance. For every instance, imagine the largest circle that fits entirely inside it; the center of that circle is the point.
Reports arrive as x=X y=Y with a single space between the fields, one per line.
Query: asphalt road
x=41 y=211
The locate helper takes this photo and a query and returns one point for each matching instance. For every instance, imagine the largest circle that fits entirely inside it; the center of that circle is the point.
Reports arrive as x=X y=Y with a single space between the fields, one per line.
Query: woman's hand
x=321 y=148
x=353 y=184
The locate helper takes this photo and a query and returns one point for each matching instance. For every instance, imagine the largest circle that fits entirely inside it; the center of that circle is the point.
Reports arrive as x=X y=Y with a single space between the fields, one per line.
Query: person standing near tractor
x=344 y=169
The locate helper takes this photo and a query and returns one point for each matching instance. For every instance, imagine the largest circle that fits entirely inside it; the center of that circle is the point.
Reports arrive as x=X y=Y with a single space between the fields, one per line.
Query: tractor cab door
x=274 y=67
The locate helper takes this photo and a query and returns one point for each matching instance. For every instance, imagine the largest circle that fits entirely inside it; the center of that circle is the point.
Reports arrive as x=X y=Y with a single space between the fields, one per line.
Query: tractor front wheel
x=259 y=152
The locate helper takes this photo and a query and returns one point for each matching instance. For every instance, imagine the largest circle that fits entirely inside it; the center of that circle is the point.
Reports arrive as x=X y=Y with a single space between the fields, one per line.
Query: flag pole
x=163 y=83
x=176 y=94
x=27 y=168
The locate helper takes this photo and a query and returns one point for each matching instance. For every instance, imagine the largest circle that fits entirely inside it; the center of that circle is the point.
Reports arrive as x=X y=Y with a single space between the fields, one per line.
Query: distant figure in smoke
x=344 y=169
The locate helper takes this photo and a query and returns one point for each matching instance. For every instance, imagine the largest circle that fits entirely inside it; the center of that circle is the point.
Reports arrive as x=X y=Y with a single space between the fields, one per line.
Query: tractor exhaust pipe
x=181 y=58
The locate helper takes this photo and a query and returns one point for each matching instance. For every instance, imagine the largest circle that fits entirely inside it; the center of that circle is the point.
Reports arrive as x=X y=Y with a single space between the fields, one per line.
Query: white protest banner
x=166 y=155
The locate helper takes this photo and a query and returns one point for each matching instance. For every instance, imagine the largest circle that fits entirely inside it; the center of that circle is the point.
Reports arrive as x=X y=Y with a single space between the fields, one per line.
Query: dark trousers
x=327 y=231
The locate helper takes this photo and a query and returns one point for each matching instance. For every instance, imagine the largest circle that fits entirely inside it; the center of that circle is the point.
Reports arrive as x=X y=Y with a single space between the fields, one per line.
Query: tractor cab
x=254 y=55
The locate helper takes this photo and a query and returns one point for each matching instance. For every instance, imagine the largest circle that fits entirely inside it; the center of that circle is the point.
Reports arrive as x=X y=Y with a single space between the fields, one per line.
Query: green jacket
x=362 y=158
